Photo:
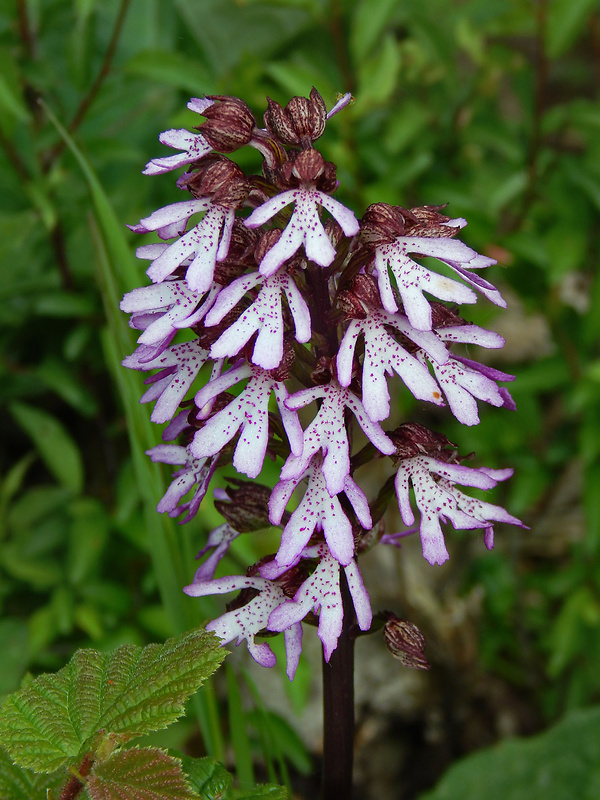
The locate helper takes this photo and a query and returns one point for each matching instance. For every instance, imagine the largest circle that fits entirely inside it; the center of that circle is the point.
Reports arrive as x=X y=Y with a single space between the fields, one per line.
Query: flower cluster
x=270 y=285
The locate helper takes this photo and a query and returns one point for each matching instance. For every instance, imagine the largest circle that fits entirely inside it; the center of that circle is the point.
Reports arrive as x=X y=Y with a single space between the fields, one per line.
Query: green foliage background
x=491 y=106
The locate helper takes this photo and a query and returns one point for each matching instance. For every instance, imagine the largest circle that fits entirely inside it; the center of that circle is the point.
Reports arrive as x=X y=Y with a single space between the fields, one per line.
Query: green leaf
x=13 y=646
x=239 y=735
x=566 y=20
x=258 y=30
x=368 y=25
x=11 y=101
x=128 y=692
x=54 y=444
x=88 y=535
x=265 y=792
x=561 y=764
x=175 y=69
x=208 y=777
x=139 y=774
x=378 y=76
x=20 y=784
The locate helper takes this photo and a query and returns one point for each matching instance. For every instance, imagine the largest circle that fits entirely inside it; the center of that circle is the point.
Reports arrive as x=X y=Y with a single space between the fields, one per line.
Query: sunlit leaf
x=128 y=692
x=139 y=774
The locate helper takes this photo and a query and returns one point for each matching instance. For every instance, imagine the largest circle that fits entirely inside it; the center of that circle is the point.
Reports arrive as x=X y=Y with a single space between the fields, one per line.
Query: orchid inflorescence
x=277 y=298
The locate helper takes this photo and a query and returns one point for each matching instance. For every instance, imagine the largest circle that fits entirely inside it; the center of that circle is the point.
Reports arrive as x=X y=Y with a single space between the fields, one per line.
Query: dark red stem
x=75 y=786
x=338 y=709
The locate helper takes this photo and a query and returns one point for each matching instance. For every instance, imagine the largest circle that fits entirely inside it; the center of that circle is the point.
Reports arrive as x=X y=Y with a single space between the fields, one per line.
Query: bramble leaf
x=212 y=782
x=208 y=777
x=129 y=692
x=141 y=773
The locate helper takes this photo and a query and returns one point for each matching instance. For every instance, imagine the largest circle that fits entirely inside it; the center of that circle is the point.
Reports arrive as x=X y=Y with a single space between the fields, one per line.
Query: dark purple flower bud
x=427 y=221
x=265 y=243
x=301 y=122
x=362 y=295
x=405 y=642
x=229 y=123
x=412 y=439
x=382 y=223
x=247 y=507
x=444 y=317
x=307 y=169
x=219 y=179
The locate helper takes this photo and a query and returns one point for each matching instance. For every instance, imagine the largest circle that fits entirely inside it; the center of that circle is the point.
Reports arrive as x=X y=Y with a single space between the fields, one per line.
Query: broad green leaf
x=579 y=616
x=68 y=384
x=139 y=774
x=208 y=777
x=128 y=692
x=40 y=573
x=21 y=784
x=174 y=69
x=258 y=30
x=54 y=444
x=36 y=505
x=13 y=646
x=368 y=25
x=64 y=304
x=11 y=483
x=566 y=20
x=561 y=764
x=378 y=76
x=88 y=535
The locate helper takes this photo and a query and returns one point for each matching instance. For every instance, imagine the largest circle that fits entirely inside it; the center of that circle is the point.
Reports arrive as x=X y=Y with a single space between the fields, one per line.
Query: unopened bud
x=382 y=223
x=229 y=123
x=301 y=122
x=405 y=642
x=220 y=179
x=248 y=506
x=412 y=439
x=427 y=221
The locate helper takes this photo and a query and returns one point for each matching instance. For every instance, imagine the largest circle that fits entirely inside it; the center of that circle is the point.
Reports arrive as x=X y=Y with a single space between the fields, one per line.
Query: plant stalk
x=338 y=709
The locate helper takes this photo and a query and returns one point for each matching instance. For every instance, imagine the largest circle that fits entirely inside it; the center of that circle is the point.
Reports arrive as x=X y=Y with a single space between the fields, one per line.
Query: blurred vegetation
x=491 y=106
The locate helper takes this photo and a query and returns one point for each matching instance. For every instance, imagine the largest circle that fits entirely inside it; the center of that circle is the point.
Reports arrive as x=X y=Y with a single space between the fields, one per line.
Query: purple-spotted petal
x=321 y=592
x=438 y=500
x=305 y=227
x=327 y=433
x=195 y=474
x=193 y=145
x=202 y=246
x=265 y=315
x=247 y=413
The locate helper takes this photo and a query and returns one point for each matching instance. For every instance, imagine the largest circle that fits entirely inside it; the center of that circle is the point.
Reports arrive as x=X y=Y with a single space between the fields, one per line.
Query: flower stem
x=338 y=709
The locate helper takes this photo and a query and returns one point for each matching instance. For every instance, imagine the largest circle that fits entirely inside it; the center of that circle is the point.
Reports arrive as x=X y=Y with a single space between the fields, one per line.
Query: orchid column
x=267 y=285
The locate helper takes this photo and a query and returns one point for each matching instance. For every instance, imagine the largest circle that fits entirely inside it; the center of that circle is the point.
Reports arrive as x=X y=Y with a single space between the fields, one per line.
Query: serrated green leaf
x=54 y=444
x=21 y=784
x=128 y=692
x=139 y=774
x=208 y=777
x=561 y=764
